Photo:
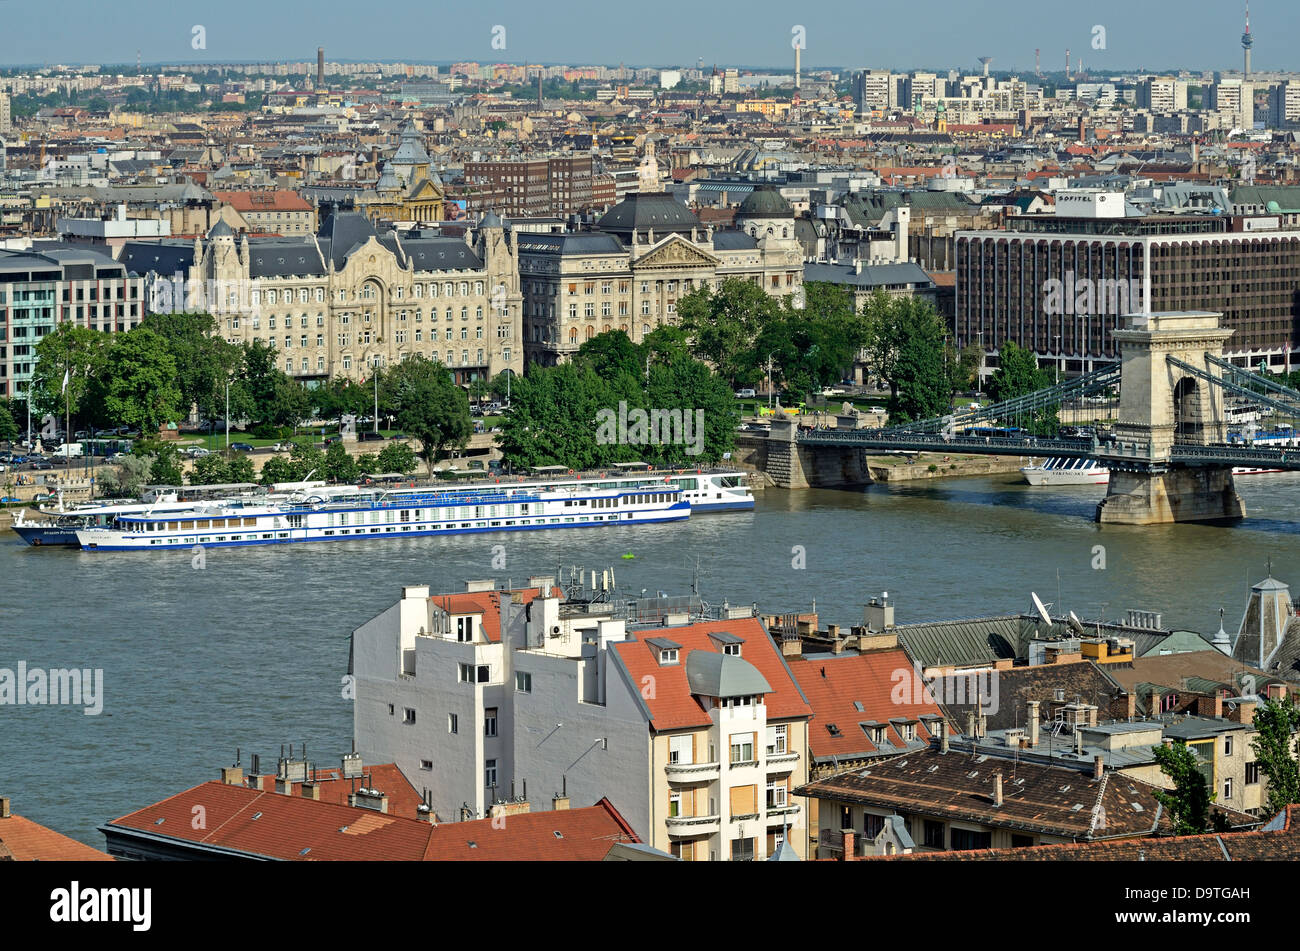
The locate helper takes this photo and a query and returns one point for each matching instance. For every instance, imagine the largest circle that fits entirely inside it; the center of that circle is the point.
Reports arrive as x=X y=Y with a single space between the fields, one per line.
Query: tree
x=554 y=419
x=1188 y=805
x=8 y=427
x=429 y=405
x=307 y=460
x=1276 y=723
x=165 y=467
x=611 y=354
x=239 y=468
x=137 y=385
x=78 y=352
x=707 y=406
x=339 y=464
x=276 y=399
x=209 y=470
x=368 y=464
x=278 y=469
x=1018 y=374
x=204 y=362
x=397 y=457
x=125 y=478
x=723 y=324
x=921 y=380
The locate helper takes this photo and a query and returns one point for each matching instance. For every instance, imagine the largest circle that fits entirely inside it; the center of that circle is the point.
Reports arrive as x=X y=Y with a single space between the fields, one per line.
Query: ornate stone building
x=644 y=255
x=348 y=298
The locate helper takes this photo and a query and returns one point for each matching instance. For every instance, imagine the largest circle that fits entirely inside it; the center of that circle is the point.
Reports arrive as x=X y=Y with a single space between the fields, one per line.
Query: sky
x=1150 y=34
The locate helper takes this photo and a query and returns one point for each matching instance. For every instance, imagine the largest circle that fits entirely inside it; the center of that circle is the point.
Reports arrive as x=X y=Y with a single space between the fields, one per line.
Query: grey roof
x=871 y=275
x=710 y=674
x=899 y=830
x=965 y=642
x=342 y=232
x=490 y=220
x=159 y=257
x=221 y=230
x=438 y=254
x=784 y=852
x=584 y=242
x=642 y=211
x=733 y=241
x=274 y=258
x=662 y=643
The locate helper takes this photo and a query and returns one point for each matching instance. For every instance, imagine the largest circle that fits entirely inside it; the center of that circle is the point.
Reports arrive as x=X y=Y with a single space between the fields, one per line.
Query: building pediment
x=675 y=252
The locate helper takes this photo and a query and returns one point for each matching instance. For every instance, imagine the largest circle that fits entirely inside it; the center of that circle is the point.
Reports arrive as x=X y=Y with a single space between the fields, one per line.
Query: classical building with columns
x=349 y=298
x=641 y=258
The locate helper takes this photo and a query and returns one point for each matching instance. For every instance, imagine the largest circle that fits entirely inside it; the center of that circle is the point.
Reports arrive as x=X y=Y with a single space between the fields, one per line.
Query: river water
x=249 y=649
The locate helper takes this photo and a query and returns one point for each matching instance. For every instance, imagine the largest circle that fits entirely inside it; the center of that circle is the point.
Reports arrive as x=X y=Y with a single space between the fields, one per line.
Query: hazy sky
x=1155 y=34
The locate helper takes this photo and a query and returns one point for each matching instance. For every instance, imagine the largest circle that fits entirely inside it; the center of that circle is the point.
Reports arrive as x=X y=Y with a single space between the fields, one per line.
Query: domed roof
x=642 y=211
x=765 y=201
x=221 y=230
x=490 y=220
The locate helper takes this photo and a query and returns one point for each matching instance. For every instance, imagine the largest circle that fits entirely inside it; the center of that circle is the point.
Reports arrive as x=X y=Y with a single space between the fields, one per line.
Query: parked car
x=242 y=446
x=196 y=452
x=877 y=411
x=42 y=464
x=282 y=447
x=746 y=394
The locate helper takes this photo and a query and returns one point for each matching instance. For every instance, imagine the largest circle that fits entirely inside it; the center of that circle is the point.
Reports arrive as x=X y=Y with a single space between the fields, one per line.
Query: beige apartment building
x=644 y=255
x=347 y=299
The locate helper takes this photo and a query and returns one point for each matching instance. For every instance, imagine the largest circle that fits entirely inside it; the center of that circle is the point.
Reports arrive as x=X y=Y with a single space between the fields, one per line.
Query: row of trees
x=576 y=414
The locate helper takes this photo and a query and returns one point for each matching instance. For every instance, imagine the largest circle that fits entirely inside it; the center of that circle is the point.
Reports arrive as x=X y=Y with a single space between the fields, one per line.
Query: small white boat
x=1062 y=471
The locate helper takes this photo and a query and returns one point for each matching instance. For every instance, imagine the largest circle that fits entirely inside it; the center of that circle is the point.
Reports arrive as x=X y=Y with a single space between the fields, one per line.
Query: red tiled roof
x=27 y=841
x=877 y=680
x=255 y=201
x=672 y=706
x=486 y=603
x=293 y=828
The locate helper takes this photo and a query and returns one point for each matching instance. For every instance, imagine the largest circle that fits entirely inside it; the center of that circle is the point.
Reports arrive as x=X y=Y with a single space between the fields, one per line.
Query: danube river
x=249 y=650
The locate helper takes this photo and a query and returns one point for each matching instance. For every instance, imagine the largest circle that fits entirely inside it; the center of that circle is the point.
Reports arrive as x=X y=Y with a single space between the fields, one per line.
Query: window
x=872 y=825
x=742 y=747
x=732 y=649
x=668 y=655
x=933 y=834
x=490 y=721
x=426 y=764
x=1227 y=788
x=1252 y=773
x=408 y=715
x=674 y=805
x=776 y=737
x=453 y=723
x=681 y=750
x=1021 y=841
x=490 y=774
x=524 y=682
x=483 y=673
x=778 y=794
x=966 y=839
x=1227 y=746
x=742 y=850
x=465 y=673
x=464 y=629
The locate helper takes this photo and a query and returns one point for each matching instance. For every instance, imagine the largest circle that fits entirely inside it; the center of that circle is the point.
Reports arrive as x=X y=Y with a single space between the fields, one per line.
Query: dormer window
x=666 y=651
x=464 y=629
x=668 y=655
x=733 y=649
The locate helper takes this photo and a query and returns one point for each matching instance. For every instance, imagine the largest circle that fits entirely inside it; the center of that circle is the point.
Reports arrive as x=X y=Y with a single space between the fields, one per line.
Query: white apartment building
x=488 y=697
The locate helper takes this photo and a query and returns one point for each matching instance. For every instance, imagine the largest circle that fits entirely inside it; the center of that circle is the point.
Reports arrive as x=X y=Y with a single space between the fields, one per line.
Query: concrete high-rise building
x=874 y=89
x=6 y=120
x=1234 y=100
x=1284 y=105
x=924 y=85
x=1162 y=94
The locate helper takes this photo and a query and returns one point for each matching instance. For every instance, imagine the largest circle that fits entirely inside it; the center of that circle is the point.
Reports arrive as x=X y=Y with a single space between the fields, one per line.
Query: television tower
x=1247 y=41
x=1038 y=63
x=1067 y=65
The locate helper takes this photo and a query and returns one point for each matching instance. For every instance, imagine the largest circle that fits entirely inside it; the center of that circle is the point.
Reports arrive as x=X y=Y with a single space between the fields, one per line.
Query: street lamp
x=979 y=375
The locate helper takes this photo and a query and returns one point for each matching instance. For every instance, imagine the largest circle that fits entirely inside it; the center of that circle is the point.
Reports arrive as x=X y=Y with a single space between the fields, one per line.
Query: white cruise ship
x=351 y=513
x=1061 y=471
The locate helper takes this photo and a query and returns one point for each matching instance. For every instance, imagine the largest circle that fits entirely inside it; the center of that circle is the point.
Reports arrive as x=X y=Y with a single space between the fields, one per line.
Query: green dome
x=765 y=201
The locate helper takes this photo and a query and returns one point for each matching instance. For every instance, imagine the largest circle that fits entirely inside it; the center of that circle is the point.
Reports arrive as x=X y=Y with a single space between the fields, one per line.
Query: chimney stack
x=232 y=776
x=1098 y=766
x=849 y=838
x=1033 y=723
x=4 y=807
x=943 y=737
x=311 y=791
x=997 y=788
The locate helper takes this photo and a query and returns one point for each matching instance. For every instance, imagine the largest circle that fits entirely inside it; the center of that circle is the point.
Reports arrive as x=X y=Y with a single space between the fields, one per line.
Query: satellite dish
x=1041 y=609
x=1075 y=624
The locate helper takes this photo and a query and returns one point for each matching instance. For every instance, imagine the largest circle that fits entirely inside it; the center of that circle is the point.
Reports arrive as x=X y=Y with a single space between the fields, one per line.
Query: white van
x=72 y=450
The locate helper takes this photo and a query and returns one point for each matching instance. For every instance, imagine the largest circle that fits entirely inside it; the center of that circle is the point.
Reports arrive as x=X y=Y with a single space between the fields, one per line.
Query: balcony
x=692 y=772
x=782 y=762
x=776 y=812
x=694 y=825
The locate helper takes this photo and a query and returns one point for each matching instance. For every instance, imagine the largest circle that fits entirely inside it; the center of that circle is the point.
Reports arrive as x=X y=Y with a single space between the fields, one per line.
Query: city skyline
x=1209 y=38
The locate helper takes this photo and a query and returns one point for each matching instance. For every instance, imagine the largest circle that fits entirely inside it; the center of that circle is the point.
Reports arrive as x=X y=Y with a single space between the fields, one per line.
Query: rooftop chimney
x=1033 y=723
x=849 y=839
x=1098 y=766
x=232 y=776
x=311 y=791
x=997 y=788
x=4 y=807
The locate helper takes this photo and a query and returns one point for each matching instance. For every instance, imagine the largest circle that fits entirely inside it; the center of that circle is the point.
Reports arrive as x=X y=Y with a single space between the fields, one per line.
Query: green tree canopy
x=78 y=352
x=1188 y=804
x=398 y=457
x=1276 y=723
x=137 y=385
x=339 y=464
x=427 y=404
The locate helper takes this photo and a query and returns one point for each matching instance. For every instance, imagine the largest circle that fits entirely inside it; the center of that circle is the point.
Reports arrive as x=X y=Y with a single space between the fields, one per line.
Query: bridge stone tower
x=1161 y=405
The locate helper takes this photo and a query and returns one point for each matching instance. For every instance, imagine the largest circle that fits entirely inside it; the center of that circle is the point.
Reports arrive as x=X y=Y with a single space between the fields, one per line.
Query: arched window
x=591 y=332
x=573 y=335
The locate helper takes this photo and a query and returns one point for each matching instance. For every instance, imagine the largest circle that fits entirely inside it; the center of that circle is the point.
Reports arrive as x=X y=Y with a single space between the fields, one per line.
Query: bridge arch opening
x=1189 y=419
